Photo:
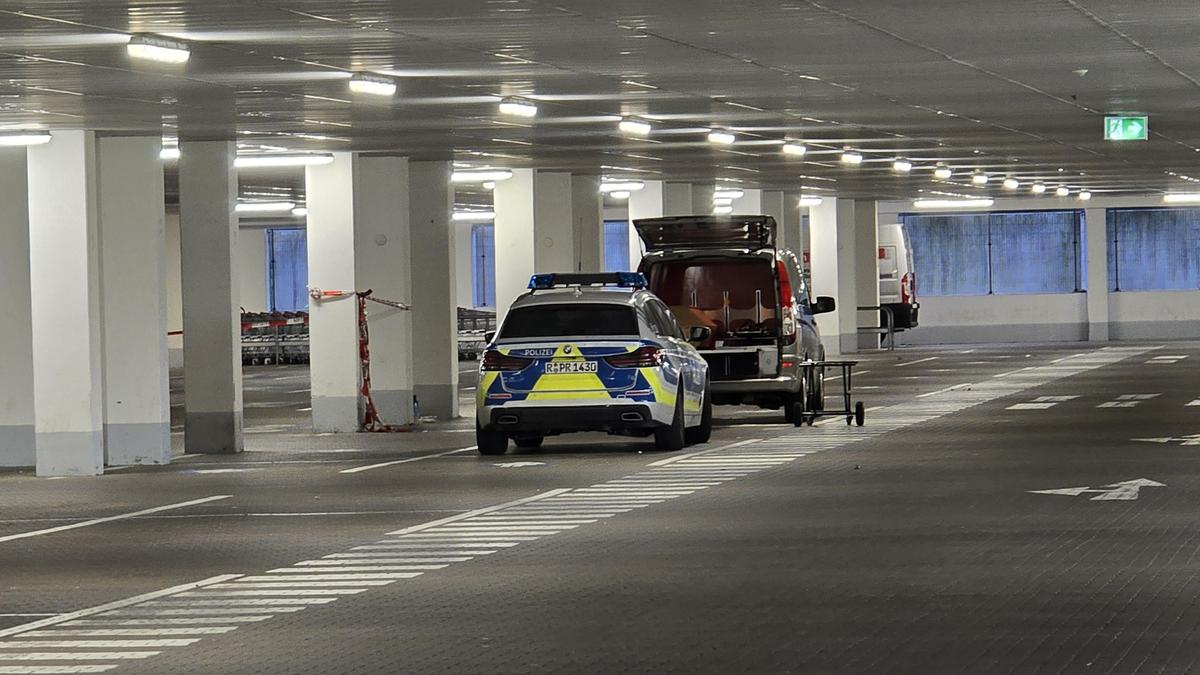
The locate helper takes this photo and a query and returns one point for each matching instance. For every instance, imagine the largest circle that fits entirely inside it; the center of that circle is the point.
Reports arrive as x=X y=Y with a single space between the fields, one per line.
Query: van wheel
x=490 y=442
x=671 y=438
x=702 y=433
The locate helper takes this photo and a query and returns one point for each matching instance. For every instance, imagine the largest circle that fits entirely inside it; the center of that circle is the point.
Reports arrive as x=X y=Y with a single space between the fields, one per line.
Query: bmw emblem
x=567 y=349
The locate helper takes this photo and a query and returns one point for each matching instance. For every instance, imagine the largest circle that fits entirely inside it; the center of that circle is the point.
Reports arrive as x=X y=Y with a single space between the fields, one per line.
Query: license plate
x=570 y=367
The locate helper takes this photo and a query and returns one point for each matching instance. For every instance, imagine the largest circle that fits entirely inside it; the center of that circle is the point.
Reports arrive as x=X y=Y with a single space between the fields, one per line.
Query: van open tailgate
x=698 y=232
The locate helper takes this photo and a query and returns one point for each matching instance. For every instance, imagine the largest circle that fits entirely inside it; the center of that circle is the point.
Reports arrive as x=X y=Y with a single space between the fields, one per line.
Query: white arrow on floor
x=1193 y=439
x=518 y=465
x=1124 y=491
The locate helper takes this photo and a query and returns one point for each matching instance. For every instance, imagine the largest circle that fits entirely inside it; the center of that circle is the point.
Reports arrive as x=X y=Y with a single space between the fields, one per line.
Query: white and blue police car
x=591 y=352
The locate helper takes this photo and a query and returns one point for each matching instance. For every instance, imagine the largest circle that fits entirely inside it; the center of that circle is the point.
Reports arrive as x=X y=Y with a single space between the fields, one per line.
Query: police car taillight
x=646 y=357
x=495 y=361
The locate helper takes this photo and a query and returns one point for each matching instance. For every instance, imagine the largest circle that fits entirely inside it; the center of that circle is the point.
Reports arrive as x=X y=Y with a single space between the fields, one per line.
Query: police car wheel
x=701 y=434
x=529 y=441
x=490 y=442
x=671 y=438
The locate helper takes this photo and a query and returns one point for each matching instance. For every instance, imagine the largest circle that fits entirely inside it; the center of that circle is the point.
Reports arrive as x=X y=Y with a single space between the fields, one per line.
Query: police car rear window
x=583 y=320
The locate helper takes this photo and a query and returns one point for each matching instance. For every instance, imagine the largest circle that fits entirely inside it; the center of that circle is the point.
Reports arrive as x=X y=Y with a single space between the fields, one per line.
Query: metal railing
x=888 y=330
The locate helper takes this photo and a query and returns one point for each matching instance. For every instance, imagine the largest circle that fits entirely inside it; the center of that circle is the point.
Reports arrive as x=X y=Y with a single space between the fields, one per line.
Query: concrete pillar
x=212 y=349
x=784 y=207
x=866 y=269
x=677 y=199
x=358 y=239
x=749 y=204
x=435 y=343
x=64 y=265
x=588 y=223
x=649 y=202
x=16 y=341
x=702 y=197
x=137 y=402
x=464 y=265
x=1096 y=222
x=534 y=231
x=252 y=269
x=833 y=272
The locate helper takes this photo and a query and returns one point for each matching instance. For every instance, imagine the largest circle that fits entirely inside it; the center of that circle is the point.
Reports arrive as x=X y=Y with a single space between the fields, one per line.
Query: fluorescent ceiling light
x=722 y=201
x=979 y=178
x=1181 y=197
x=300 y=211
x=473 y=216
x=635 y=126
x=1062 y=191
x=154 y=48
x=797 y=149
x=722 y=210
x=376 y=85
x=943 y=172
x=520 y=107
x=169 y=154
x=620 y=194
x=953 y=203
x=851 y=157
x=1038 y=188
x=902 y=166
x=249 y=161
x=488 y=185
x=490 y=176
x=810 y=201
x=622 y=186
x=264 y=207
x=25 y=138
x=1085 y=195
x=1011 y=183
x=721 y=137
x=734 y=193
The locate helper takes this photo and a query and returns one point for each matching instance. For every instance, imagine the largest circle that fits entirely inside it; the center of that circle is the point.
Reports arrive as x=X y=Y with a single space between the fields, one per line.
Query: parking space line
x=911 y=363
x=360 y=469
x=109 y=519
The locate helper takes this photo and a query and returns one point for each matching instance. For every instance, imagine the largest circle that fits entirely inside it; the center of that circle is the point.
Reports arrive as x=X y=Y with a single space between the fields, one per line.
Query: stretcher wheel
x=860 y=414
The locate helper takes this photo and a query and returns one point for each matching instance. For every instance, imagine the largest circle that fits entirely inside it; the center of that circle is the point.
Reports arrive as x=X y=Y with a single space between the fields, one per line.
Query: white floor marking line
x=189 y=621
x=942 y=391
x=1128 y=400
x=1194 y=403
x=1041 y=403
x=96 y=644
x=109 y=519
x=130 y=632
x=360 y=469
x=77 y=656
x=54 y=670
x=909 y=363
x=679 y=458
x=477 y=512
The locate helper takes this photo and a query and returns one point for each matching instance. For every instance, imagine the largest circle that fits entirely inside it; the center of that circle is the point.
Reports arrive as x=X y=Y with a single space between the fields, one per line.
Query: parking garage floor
x=1005 y=509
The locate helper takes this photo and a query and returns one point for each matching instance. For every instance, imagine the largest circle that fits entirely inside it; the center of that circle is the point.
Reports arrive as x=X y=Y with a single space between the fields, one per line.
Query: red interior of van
x=698 y=290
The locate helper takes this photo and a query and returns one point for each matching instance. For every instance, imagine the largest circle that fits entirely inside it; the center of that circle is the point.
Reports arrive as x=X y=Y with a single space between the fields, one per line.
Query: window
x=1153 y=249
x=1002 y=253
x=544 y=321
x=483 y=265
x=287 y=269
x=661 y=320
x=616 y=245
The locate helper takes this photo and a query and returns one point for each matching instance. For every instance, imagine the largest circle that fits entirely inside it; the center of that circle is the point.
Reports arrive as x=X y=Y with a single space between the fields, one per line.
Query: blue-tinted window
x=287 y=269
x=1003 y=253
x=1153 y=249
x=616 y=245
x=483 y=265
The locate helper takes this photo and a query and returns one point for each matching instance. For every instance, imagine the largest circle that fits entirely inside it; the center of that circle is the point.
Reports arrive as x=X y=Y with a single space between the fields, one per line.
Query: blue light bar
x=542 y=282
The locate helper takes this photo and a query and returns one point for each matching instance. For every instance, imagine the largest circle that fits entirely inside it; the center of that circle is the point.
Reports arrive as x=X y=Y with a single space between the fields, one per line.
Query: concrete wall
x=174 y=291
x=1157 y=315
x=1000 y=318
x=252 y=268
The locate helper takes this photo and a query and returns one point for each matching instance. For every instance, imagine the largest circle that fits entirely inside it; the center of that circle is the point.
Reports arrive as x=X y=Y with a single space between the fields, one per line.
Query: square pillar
x=784 y=207
x=464 y=264
x=435 y=342
x=64 y=265
x=16 y=330
x=137 y=403
x=649 y=202
x=749 y=204
x=866 y=269
x=534 y=231
x=834 y=272
x=702 y=196
x=212 y=347
x=677 y=199
x=1096 y=222
x=358 y=239
x=588 y=207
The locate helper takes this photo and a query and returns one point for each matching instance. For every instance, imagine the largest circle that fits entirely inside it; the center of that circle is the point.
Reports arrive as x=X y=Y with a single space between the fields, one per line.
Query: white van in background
x=897 y=277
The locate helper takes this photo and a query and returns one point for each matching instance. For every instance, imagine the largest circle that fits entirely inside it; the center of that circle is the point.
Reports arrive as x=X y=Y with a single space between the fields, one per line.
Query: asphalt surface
x=1010 y=509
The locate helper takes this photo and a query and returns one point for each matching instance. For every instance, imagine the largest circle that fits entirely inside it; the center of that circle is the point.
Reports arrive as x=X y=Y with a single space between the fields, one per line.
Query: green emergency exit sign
x=1126 y=128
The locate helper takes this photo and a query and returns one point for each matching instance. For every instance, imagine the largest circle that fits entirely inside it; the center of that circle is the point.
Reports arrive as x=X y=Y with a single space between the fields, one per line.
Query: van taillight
x=495 y=361
x=907 y=289
x=646 y=357
x=786 y=303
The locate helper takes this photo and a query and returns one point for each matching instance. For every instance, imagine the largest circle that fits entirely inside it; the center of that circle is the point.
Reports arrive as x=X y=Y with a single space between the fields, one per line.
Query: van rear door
x=707 y=232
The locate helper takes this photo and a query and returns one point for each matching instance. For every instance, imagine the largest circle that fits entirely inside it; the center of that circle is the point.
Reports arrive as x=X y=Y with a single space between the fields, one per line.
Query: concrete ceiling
x=987 y=86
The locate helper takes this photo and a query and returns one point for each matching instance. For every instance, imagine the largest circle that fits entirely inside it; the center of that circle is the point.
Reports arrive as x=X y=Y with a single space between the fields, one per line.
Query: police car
x=591 y=352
